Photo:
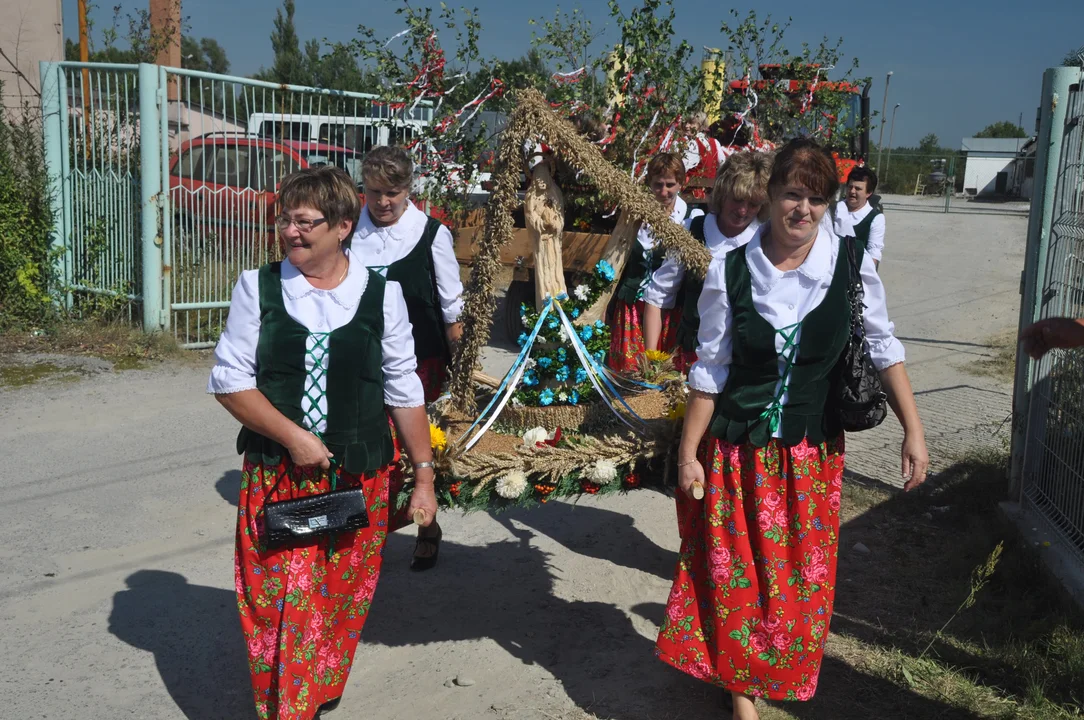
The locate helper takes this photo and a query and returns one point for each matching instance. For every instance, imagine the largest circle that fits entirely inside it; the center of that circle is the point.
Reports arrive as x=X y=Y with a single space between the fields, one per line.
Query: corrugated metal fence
x=166 y=179
x=1048 y=438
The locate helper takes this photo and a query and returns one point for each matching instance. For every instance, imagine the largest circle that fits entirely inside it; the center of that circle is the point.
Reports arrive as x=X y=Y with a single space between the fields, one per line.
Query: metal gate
x=167 y=179
x=1048 y=440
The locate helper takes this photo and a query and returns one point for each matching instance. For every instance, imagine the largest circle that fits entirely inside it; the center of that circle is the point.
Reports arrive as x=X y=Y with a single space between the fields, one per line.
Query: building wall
x=30 y=31
x=980 y=173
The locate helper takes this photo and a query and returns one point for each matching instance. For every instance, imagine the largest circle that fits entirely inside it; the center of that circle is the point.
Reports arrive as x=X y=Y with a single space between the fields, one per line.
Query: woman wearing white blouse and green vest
x=738 y=201
x=316 y=352
x=752 y=597
x=399 y=241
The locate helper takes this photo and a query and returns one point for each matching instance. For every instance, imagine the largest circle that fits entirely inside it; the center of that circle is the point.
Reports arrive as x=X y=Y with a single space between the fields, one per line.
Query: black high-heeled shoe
x=419 y=564
x=327 y=707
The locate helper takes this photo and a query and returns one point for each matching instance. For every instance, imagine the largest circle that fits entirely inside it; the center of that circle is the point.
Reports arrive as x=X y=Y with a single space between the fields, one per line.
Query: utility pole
x=891 y=134
x=884 y=109
x=84 y=57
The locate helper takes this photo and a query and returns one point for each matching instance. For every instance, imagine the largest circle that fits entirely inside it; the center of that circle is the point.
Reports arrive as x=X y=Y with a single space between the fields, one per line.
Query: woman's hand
x=307 y=450
x=423 y=496
x=690 y=473
x=916 y=460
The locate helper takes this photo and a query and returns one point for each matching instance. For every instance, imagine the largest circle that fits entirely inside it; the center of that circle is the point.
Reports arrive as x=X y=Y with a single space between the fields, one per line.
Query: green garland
x=555 y=375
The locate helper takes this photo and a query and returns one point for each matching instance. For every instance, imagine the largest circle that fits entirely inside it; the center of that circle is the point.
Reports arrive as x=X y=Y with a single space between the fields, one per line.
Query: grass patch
x=13 y=376
x=1018 y=652
x=1001 y=363
x=122 y=344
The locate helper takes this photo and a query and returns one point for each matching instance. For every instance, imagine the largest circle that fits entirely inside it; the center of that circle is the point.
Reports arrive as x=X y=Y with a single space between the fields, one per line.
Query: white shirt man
x=855 y=207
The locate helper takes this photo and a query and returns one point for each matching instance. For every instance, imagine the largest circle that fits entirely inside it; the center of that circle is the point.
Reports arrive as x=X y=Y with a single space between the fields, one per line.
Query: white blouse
x=846 y=220
x=666 y=281
x=320 y=311
x=379 y=247
x=784 y=299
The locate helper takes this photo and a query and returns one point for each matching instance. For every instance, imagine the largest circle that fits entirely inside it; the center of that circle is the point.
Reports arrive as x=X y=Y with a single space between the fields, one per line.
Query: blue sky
x=957 y=66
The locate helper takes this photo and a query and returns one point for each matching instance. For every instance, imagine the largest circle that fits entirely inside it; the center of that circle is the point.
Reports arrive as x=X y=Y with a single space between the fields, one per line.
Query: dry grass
x=1001 y=363
x=1017 y=653
x=119 y=342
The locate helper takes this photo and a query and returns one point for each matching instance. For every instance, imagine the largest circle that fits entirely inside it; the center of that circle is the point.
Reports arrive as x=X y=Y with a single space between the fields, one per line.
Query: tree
x=930 y=145
x=289 y=65
x=1074 y=58
x=1002 y=129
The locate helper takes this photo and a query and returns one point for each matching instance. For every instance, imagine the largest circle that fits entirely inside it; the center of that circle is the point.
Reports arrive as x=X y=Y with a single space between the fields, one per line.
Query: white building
x=998 y=166
x=30 y=31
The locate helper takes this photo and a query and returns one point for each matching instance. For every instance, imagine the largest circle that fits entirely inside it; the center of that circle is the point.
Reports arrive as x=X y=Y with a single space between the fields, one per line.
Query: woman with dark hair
x=754 y=587
x=316 y=352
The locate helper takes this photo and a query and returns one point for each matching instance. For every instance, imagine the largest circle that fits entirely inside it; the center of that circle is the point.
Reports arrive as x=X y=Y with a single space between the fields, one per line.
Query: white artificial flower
x=534 y=436
x=564 y=334
x=525 y=320
x=511 y=486
x=531 y=362
x=581 y=292
x=516 y=402
x=602 y=472
x=563 y=396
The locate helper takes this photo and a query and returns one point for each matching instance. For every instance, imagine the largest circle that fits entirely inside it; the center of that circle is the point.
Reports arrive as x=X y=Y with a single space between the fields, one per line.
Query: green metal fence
x=166 y=179
x=1048 y=438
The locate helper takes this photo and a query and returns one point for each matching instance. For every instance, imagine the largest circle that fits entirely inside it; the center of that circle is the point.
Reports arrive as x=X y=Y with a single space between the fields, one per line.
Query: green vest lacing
x=314 y=393
x=774 y=412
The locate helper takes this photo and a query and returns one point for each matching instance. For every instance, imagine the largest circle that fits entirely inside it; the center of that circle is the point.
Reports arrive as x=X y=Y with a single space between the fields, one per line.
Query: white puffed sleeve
x=449 y=286
x=876 y=245
x=402 y=386
x=662 y=291
x=884 y=348
x=235 y=353
x=709 y=372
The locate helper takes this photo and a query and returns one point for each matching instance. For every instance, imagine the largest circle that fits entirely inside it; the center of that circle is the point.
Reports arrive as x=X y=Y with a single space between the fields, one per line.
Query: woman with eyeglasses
x=316 y=353
x=407 y=246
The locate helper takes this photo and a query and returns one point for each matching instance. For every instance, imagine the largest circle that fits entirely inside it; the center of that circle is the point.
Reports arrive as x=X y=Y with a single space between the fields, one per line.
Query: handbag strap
x=855 y=289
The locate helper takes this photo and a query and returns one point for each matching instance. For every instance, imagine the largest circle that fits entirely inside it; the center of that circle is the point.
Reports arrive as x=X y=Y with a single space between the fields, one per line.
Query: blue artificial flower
x=599 y=325
x=545 y=397
x=581 y=375
x=554 y=322
x=545 y=362
x=600 y=356
x=587 y=332
x=605 y=270
x=575 y=313
x=530 y=379
x=522 y=339
x=562 y=374
x=574 y=397
x=561 y=354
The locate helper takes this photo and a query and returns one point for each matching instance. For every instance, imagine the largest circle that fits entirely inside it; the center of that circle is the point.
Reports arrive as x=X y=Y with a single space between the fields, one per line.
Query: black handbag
x=300 y=521
x=858 y=399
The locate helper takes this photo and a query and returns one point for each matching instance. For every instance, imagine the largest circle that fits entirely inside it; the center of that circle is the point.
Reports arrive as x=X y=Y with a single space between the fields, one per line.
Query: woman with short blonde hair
x=738 y=203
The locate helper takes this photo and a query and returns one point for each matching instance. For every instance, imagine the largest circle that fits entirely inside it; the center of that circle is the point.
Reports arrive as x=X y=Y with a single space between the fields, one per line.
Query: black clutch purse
x=302 y=520
x=858 y=398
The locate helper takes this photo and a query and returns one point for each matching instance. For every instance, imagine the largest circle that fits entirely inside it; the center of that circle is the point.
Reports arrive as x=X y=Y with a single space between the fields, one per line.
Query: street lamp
x=884 y=108
x=891 y=134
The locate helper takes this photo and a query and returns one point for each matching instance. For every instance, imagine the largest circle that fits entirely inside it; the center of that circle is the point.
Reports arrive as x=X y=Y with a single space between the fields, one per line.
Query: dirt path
x=117 y=538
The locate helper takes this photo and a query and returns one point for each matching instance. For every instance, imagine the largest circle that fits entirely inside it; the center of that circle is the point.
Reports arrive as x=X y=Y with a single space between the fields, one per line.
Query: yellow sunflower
x=658 y=356
x=437 y=439
x=677 y=412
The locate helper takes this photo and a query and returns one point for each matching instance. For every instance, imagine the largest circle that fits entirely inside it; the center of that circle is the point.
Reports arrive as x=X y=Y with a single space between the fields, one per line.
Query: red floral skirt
x=302 y=609
x=433 y=372
x=627 y=334
x=755 y=581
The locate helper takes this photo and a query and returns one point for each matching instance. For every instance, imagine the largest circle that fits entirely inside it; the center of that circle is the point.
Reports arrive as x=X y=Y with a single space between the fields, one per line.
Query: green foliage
x=779 y=113
x=204 y=54
x=27 y=274
x=1074 y=58
x=289 y=64
x=1002 y=129
x=930 y=144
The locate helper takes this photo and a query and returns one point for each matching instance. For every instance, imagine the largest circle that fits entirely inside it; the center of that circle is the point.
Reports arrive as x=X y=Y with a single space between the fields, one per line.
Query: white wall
x=980 y=173
x=30 y=31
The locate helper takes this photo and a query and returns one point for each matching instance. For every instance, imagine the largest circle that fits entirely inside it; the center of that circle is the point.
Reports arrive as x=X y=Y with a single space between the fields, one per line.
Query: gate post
x=150 y=181
x=52 y=118
x=1055 y=101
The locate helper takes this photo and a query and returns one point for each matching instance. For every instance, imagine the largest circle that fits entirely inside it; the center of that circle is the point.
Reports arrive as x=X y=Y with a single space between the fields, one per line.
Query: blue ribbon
x=522 y=358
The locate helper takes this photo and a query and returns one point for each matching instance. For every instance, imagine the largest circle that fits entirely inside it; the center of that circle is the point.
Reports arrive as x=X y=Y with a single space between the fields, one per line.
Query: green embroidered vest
x=417 y=275
x=357 y=427
x=750 y=408
x=689 y=296
x=639 y=267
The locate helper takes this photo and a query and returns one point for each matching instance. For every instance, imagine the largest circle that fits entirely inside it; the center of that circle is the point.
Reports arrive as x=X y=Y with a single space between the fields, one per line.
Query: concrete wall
x=30 y=31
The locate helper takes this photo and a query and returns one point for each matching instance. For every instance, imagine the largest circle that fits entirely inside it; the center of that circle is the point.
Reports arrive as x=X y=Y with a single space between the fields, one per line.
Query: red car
x=224 y=186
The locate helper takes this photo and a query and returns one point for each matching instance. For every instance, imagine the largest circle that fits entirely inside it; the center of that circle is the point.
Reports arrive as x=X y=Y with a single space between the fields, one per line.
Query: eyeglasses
x=304 y=225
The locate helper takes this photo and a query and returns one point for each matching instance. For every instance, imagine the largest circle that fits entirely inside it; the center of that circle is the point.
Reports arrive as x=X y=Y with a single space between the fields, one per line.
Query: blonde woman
x=738 y=202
